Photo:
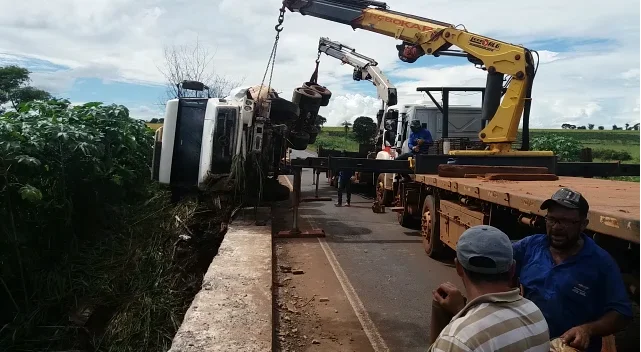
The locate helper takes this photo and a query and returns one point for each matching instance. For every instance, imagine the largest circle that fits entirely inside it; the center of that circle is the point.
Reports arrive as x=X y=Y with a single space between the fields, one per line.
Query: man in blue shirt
x=419 y=142
x=576 y=284
x=344 y=184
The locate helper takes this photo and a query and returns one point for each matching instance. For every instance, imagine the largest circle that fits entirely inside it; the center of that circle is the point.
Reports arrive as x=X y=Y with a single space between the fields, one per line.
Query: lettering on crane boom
x=484 y=44
x=399 y=22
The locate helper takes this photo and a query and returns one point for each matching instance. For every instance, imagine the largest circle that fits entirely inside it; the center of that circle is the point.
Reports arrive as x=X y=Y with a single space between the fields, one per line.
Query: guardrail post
x=295 y=232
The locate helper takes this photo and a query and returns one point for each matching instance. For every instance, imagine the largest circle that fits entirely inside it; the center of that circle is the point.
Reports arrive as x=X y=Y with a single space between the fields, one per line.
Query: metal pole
x=317 y=176
x=314 y=179
x=446 y=113
x=297 y=184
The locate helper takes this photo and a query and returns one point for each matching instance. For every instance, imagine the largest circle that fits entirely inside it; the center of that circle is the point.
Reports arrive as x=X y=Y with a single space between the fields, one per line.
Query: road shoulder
x=312 y=312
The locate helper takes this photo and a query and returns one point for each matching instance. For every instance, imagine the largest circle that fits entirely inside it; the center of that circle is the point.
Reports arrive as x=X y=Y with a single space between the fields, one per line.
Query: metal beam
x=440 y=108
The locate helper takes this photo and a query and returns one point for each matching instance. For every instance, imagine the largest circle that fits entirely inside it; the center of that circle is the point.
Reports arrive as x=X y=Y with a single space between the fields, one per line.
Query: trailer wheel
x=313 y=133
x=284 y=107
x=383 y=196
x=324 y=92
x=430 y=228
x=298 y=140
x=307 y=98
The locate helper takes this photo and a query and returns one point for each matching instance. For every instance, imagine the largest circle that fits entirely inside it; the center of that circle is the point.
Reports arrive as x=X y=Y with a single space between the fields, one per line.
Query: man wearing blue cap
x=576 y=283
x=494 y=317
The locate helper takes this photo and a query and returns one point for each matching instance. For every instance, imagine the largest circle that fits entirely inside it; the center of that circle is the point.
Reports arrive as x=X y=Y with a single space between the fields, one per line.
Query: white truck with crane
x=393 y=120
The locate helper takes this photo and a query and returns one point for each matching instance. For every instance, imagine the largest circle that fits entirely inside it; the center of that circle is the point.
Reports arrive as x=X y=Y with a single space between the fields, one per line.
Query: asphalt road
x=385 y=263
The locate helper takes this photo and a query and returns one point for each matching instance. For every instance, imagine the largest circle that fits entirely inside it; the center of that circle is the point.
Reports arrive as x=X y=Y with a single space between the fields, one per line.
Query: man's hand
x=449 y=297
x=420 y=141
x=416 y=149
x=577 y=337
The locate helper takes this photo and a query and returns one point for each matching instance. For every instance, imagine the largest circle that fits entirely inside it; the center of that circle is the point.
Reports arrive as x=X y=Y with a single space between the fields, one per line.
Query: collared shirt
x=580 y=290
x=423 y=134
x=502 y=321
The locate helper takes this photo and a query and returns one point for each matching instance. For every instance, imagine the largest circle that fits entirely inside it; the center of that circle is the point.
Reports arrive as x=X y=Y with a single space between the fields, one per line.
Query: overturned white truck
x=202 y=135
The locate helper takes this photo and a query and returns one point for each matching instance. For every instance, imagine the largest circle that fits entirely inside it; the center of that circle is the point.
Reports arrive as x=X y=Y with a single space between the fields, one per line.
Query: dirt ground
x=311 y=310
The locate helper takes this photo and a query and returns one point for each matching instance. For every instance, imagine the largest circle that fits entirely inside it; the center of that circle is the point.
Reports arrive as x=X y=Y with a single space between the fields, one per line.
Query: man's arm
x=617 y=311
x=411 y=141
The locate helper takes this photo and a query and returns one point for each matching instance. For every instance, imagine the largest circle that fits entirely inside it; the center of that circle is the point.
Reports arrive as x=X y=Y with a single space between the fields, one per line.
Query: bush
x=69 y=174
x=566 y=148
x=611 y=154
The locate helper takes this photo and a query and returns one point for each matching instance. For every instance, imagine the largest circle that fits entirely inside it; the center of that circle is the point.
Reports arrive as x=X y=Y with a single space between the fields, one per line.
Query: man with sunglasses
x=576 y=284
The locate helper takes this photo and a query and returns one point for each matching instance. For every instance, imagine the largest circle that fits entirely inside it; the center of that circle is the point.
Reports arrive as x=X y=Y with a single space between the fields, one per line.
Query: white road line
x=370 y=329
x=378 y=344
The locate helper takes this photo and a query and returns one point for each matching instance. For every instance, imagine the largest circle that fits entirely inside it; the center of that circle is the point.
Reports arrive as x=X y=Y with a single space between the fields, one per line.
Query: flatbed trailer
x=447 y=206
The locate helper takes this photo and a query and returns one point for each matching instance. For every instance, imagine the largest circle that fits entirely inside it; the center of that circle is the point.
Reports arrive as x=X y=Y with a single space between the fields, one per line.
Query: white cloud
x=123 y=39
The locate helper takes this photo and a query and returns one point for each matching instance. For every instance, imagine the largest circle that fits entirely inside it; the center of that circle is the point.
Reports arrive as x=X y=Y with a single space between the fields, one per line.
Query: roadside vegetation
x=95 y=256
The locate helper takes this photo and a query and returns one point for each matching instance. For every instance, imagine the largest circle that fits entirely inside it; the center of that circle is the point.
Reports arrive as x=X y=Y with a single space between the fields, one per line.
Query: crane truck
x=445 y=204
x=393 y=121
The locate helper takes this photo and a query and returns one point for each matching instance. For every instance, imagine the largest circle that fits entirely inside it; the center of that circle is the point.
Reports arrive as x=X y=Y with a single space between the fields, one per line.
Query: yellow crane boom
x=423 y=36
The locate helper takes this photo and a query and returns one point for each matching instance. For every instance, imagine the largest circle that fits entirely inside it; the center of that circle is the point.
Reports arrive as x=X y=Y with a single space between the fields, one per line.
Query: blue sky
x=112 y=52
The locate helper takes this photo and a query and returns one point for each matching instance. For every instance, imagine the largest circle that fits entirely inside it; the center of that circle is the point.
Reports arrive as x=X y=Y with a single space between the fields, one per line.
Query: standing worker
x=344 y=184
x=576 y=284
x=419 y=142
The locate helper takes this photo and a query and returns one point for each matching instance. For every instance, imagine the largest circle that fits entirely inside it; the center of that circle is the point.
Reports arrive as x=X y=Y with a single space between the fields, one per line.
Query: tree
x=601 y=128
x=14 y=88
x=581 y=128
x=364 y=129
x=590 y=126
x=320 y=120
x=615 y=127
x=154 y=120
x=565 y=126
x=194 y=63
x=636 y=126
x=627 y=126
x=346 y=124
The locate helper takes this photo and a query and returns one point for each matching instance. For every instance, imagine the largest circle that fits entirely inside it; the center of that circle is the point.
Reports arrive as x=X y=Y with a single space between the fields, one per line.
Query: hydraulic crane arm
x=365 y=68
x=423 y=36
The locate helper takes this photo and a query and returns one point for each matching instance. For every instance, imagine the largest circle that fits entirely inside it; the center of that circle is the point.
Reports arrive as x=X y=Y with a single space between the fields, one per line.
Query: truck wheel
x=324 y=92
x=283 y=107
x=405 y=220
x=383 y=196
x=306 y=98
x=430 y=229
x=313 y=133
x=298 y=140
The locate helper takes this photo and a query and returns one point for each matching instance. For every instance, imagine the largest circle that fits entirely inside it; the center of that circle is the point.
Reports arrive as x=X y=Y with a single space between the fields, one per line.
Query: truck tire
x=383 y=196
x=405 y=220
x=307 y=99
x=283 y=110
x=324 y=92
x=298 y=140
x=313 y=133
x=430 y=228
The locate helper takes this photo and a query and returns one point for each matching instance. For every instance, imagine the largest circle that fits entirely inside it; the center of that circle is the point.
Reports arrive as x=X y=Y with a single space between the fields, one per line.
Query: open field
x=336 y=138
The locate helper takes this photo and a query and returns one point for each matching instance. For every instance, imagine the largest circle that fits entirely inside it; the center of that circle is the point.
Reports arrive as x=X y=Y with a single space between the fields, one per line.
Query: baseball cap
x=569 y=199
x=485 y=249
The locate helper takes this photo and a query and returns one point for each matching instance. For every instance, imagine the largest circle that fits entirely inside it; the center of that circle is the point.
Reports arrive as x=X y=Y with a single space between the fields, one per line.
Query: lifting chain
x=272 y=57
x=314 y=78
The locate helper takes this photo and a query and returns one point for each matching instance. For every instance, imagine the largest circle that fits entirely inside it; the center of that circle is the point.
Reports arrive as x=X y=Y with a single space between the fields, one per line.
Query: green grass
x=335 y=138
